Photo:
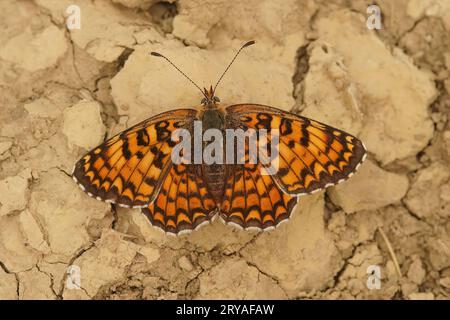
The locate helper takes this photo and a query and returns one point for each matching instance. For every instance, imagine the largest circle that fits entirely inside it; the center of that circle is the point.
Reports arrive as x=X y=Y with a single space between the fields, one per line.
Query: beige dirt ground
x=62 y=92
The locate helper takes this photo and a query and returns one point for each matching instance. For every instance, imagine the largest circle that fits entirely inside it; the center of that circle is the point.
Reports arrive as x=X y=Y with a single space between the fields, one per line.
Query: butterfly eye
x=216 y=99
x=204 y=100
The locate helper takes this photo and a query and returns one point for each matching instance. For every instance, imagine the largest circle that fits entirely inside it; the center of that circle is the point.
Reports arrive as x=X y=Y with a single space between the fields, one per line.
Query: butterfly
x=135 y=168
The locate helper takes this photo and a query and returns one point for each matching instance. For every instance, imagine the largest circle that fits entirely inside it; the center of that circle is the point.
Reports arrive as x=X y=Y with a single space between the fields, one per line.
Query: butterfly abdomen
x=215 y=179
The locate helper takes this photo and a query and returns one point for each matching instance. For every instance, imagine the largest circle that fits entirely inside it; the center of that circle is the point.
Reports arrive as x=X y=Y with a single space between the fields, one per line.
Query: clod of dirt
x=200 y=21
x=370 y=188
x=8 y=286
x=112 y=255
x=4 y=147
x=32 y=232
x=105 y=31
x=83 y=125
x=416 y=272
x=14 y=192
x=15 y=254
x=430 y=192
x=430 y=8
x=42 y=50
x=299 y=253
x=64 y=213
x=235 y=279
x=34 y=284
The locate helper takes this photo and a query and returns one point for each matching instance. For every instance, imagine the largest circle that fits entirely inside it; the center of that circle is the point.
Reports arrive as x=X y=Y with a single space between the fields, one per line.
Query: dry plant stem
x=391 y=252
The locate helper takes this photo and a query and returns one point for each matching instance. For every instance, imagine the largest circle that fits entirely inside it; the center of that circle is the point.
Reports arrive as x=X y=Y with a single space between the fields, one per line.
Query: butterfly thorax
x=213 y=119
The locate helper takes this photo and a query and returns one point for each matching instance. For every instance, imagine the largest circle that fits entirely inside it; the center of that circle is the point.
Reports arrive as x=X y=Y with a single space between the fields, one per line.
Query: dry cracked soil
x=65 y=90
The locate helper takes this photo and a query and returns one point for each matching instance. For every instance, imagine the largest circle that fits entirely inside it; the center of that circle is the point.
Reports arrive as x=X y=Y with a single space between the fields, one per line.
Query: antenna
x=249 y=43
x=156 y=54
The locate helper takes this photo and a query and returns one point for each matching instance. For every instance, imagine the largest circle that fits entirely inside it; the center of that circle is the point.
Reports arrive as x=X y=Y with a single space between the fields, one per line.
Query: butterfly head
x=210 y=100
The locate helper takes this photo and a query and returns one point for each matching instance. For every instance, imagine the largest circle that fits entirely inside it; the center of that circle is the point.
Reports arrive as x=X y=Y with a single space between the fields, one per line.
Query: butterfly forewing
x=312 y=155
x=129 y=168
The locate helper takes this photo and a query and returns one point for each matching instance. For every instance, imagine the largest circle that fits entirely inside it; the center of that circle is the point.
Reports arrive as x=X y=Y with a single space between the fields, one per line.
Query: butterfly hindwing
x=312 y=155
x=253 y=200
x=183 y=203
x=129 y=168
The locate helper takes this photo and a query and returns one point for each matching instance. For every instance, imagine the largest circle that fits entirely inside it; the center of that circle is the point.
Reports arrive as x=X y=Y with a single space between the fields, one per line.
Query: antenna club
x=248 y=43
x=156 y=54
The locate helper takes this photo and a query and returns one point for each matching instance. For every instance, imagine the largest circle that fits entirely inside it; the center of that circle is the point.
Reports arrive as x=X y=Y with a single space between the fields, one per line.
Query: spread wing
x=253 y=200
x=130 y=168
x=183 y=203
x=310 y=156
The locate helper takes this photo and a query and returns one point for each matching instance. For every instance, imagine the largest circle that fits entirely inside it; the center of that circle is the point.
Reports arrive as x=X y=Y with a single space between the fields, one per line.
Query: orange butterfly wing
x=130 y=168
x=183 y=203
x=254 y=201
x=311 y=156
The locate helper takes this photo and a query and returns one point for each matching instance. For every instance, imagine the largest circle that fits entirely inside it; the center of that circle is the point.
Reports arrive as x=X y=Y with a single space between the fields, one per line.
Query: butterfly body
x=214 y=173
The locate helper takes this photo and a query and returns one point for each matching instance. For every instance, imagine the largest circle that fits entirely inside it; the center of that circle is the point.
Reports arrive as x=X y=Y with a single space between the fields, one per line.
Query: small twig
x=391 y=252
